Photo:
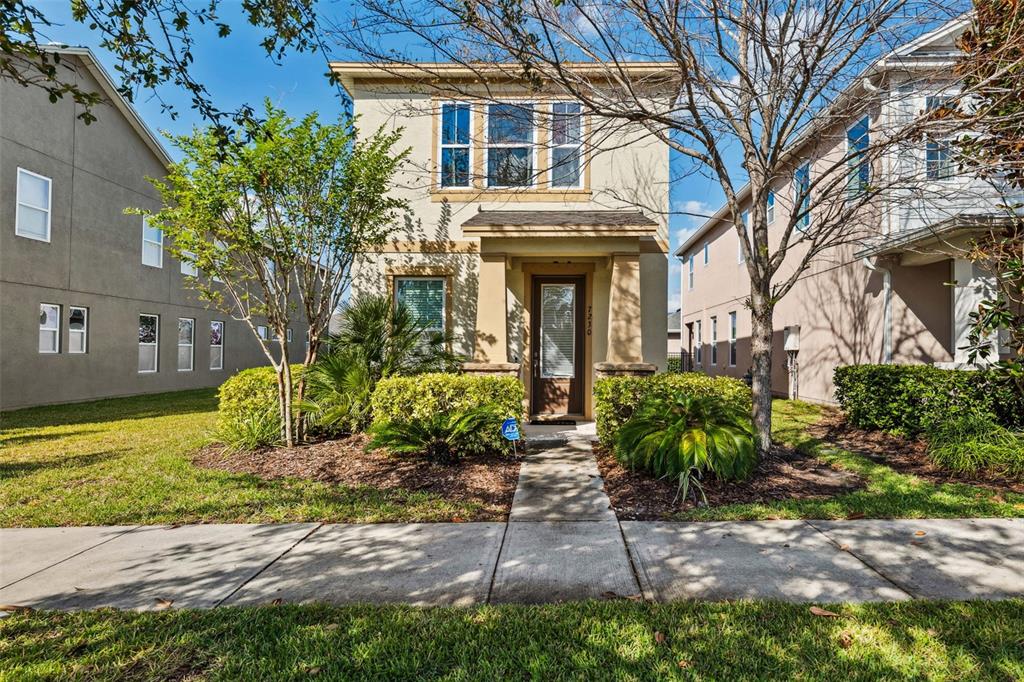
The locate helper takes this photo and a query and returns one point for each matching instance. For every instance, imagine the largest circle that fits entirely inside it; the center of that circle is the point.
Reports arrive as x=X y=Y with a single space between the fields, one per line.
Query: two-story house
x=903 y=294
x=537 y=234
x=91 y=304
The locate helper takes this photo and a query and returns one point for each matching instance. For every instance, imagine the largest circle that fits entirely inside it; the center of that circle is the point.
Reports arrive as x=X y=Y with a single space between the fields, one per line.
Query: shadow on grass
x=590 y=640
x=113 y=409
x=10 y=470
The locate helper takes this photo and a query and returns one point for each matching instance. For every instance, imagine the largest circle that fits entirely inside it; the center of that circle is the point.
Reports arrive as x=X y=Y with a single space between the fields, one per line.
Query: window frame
x=217 y=345
x=770 y=207
x=698 y=350
x=188 y=269
x=856 y=184
x=707 y=253
x=578 y=146
x=84 y=331
x=442 y=145
x=692 y=260
x=55 y=330
x=714 y=341
x=263 y=332
x=802 y=206
x=191 y=345
x=531 y=145
x=444 y=296
x=18 y=204
x=155 y=344
x=933 y=169
x=160 y=244
x=733 y=328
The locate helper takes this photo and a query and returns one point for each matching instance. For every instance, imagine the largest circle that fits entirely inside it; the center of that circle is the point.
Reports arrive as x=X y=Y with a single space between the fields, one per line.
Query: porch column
x=971 y=286
x=625 y=336
x=490 y=345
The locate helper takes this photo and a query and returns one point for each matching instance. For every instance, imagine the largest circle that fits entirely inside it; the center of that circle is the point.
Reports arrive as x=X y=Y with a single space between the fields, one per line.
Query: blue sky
x=237 y=71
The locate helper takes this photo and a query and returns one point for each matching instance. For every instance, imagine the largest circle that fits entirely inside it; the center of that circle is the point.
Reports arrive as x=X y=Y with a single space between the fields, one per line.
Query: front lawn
x=887 y=493
x=585 y=641
x=129 y=461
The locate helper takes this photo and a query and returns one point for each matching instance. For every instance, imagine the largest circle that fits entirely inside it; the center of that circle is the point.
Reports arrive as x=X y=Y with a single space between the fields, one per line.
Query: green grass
x=128 y=461
x=580 y=641
x=887 y=494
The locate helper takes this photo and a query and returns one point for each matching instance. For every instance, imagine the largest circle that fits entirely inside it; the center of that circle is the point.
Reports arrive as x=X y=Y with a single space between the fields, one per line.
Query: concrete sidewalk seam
x=71 y=556
x=497 y=557
x=863 y=561
x=269 y=564
x=629 y=556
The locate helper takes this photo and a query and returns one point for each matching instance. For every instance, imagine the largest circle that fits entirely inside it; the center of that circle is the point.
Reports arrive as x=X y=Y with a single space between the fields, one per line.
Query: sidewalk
x=562 y=542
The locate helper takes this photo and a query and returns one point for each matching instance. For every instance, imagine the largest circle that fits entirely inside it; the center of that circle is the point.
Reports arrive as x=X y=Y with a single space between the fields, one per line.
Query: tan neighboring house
x=537 y=235
x=901 y=296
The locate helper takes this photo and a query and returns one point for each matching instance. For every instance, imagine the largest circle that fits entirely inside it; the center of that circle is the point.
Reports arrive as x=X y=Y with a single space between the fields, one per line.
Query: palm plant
x=684 y=437
x=439 y=438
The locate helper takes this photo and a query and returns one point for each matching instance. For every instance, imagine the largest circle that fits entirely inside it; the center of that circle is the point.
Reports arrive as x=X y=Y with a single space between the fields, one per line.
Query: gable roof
x=901 y=57
x=88 y=59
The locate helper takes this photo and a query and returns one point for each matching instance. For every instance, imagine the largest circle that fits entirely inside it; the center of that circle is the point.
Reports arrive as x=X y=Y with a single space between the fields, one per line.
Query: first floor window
x=714 y=341
x=78 y=329
x=732 y=339
x=49 y=328
x=425 y=299
x=698 y=350
x=288 y=334
x=32 y=214
x=149 y=338
x=216 y=344
x=262 y=332
x=455 y=145
x=186 y=343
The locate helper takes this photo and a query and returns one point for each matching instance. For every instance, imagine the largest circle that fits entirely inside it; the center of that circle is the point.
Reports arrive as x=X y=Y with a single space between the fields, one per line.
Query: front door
x=557 y=339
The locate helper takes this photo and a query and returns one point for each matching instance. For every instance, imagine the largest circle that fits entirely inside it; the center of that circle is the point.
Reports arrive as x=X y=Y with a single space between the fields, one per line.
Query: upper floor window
x=263 y=332
x=802 y=195
x=78 y=329
x=565 y=144
x=425 y=299
x=152 y=244
x=510 y=143
x=690 y=273
x=455 y=144
x=32 y=214
x=938 y=156
x=745 y=216
x=188 y=264
x=857 y=140
x=770 y=208
x=707 y=253
x=49 y=328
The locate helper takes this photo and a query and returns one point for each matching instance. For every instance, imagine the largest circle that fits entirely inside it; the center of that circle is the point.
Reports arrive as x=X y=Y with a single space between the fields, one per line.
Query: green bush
x=442 y=437
x=405 y=399
x=975 y=442
x=250 y=431
x=247 y=400
x=616 y=398
x=904 y=399
x=684 y=437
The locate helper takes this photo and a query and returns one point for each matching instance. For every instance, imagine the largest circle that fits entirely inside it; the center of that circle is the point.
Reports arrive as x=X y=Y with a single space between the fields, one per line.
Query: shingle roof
x=559 y=219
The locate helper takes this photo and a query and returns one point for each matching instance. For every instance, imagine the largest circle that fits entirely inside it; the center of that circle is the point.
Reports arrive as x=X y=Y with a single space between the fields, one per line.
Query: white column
x=971 y=286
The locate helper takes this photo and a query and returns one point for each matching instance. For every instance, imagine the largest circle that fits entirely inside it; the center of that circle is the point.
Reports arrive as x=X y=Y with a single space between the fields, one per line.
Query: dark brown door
x=556 y=332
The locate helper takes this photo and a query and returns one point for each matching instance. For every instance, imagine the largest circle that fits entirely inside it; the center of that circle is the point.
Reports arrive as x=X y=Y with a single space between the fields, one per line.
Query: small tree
x=274 y=223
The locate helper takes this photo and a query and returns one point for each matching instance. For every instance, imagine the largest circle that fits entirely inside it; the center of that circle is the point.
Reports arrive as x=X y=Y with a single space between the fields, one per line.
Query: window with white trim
x=188 y=264
x=288 y=334
x=698 y=346
x=732 y=339
x=770 y=208
x=425 y=299
x=49 y=328
x=938 y=152
x=262 y=332
x=32 y=211
x=714 y=341
x=149 y=343
x=707 y=253
x=78 y=329
x=510 y=145
x=216 y=344
x=456 y=149
x=565 y=145
x=689 y=275
x=152 y=244
x=857 y=141
x=802 y=195
x=186 y=343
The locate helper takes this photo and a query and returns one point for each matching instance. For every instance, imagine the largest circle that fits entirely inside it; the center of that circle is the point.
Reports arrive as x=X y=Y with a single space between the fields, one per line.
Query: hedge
x=251 y=392
x=905 y=399
x=400 y=399
x=615 y=398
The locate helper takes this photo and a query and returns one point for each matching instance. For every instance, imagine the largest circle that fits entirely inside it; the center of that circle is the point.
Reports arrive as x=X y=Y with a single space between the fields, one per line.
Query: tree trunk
x=284 y=396
x=761 y=367
x=300 y=392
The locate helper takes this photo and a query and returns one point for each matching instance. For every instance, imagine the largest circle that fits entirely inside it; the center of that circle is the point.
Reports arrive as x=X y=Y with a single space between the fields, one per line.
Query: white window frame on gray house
x=49 y=329
x=263 y=332
x=24 y=207
x=455 y=144
x=78 y=338
x=217 y=359
x=154 y=344
x=188 y=346
x=188 y=266
x=566 y=140
x=415 y=307
x=530 y=145
x=155 y=246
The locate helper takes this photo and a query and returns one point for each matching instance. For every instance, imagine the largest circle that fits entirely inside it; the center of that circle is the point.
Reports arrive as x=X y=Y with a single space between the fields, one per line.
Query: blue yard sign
x=510 y=429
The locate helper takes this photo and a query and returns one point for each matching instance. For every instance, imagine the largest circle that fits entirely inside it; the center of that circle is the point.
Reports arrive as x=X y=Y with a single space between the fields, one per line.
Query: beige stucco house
x=537 y=234
x=902 y=294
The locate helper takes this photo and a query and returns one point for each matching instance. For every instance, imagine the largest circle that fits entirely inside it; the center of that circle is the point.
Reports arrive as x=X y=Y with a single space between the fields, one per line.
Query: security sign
x=510 y=429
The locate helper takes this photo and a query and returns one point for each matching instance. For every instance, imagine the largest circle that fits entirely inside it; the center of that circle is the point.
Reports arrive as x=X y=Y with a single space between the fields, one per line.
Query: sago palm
x=684 y=438
x=439 y=437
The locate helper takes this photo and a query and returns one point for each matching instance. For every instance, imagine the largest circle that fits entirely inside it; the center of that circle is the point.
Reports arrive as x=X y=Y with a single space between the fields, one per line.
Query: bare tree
x=744 y=91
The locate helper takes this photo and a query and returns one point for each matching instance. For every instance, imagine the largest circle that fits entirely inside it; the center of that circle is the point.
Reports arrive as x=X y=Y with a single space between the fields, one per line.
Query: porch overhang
x=936 y=242
x=560 y=224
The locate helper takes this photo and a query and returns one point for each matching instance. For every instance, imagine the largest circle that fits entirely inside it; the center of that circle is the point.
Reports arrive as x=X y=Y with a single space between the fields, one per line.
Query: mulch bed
x=783 y=475
x=488 y=480
x=901 y=454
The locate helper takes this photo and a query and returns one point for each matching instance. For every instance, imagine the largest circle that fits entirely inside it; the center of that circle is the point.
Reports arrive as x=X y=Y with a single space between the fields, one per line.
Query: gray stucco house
x=91 y=305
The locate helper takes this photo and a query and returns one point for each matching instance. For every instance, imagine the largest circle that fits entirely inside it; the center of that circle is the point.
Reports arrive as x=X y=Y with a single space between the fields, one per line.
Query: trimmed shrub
x=905 y=399
x=616 y=398
x=973 y=443
x=247 y=401
x=399 y=400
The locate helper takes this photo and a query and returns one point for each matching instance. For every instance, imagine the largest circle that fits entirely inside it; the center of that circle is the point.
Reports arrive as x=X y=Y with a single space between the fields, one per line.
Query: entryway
x=557 y=327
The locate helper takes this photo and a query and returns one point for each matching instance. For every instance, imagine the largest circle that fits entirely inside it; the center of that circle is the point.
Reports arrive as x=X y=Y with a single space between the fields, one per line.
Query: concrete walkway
x=562 y=542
